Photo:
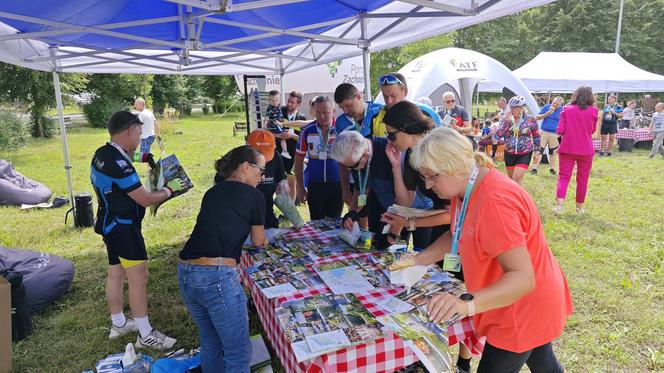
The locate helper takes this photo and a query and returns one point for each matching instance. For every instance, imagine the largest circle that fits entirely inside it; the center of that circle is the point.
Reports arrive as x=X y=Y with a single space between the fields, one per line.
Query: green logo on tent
x=333 y=67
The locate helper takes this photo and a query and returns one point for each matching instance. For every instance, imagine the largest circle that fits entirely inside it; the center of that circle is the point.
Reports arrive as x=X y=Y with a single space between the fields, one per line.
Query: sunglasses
x=389 y=79
x=392 y=136
x=261 y=168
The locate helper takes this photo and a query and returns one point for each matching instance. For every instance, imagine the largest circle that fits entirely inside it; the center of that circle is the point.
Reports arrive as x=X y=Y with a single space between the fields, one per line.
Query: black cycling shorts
x=609 y=128
x=126 y=242
x=518 y=160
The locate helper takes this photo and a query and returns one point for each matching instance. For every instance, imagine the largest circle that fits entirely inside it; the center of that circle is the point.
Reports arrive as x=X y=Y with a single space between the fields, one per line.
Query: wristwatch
x=411 y=224
x=470 y=301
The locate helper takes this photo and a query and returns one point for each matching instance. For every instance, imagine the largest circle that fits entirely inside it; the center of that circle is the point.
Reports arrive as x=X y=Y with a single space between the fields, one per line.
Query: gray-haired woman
x=373 y=191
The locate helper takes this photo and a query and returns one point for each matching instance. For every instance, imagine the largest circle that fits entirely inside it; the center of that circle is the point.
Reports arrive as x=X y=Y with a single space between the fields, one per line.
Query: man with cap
x=122 y=202
x=274 y=178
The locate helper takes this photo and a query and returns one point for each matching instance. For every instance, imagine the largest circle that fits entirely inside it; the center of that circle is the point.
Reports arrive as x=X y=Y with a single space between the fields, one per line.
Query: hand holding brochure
x=167 y=169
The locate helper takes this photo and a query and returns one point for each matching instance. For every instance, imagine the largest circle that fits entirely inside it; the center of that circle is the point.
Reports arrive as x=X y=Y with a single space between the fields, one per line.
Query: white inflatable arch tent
x=459 y=70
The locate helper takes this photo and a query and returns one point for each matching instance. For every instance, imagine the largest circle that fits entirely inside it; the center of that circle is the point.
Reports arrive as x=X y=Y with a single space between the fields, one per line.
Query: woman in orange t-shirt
x=517 y=293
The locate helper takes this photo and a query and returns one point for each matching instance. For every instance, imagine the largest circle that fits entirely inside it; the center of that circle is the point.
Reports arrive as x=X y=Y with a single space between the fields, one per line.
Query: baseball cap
x=264 y=142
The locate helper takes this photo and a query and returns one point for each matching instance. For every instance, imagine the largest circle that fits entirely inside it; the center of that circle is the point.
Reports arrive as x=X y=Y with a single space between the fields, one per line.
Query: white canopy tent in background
x=221 y=37
x=564 y=72
x=313 y=81
x=461 y=69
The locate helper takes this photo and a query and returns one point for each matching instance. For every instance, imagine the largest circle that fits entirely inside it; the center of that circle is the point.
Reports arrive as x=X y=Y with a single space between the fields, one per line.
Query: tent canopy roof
x=223 y=36
x=564 y=72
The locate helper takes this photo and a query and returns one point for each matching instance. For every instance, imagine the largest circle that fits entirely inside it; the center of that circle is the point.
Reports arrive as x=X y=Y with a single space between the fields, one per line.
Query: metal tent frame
x=225 y=37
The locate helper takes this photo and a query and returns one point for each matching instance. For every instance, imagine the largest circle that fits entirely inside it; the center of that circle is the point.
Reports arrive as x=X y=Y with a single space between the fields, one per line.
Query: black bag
x=21 y=319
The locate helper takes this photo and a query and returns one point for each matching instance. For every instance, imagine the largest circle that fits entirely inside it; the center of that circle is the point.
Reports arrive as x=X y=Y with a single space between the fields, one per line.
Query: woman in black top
x=406 y=126
x=207 y=273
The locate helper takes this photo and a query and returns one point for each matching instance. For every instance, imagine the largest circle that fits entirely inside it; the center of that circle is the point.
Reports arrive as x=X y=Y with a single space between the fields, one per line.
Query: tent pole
x=620 y=17
x=63 y=133
x=366 y=59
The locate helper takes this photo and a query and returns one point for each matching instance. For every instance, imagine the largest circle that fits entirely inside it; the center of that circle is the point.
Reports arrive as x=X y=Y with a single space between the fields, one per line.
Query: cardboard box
x=5 y=326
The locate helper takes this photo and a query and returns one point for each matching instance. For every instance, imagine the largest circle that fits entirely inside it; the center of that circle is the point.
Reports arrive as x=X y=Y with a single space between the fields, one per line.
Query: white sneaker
x=128 y=327
x=155 y=340
x=286 y=155
x=558 y=210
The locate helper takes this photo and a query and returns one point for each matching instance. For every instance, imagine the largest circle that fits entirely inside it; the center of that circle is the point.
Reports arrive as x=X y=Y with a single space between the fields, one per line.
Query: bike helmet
x=517 y=101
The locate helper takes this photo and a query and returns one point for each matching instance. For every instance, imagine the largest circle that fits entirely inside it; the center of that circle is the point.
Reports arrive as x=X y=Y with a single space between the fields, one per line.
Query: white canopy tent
x=313 y=81
x=564 y=72
x=461 y=69
x=221 y=37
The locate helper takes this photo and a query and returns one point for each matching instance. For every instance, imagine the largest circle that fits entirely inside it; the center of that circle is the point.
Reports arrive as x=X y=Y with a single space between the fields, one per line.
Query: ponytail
x=483 y=160
x=226 y=165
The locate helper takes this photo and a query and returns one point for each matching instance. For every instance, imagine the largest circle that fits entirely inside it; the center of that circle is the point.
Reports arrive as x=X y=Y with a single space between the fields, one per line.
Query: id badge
x=322 y=156
x=446 y=120
x=452 y=263
x=361 y=200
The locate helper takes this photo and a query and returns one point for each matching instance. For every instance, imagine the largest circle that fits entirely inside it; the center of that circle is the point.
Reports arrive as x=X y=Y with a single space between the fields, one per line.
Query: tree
x=393 y=59
x=221 y=89
x=120 y=87
x=36 y=89
x=169 y=90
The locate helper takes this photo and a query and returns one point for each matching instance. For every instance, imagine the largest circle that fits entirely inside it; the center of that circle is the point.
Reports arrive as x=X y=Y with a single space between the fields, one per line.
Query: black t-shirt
x=381 y=180
x=414 y=181
x=228 y=211
x=274 y=173
x=113 y=176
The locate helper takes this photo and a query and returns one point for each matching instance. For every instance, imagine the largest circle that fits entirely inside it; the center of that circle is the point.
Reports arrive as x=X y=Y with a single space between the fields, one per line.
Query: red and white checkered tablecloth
x=307 y=232
x=597 y=144
x=386 y=354
x=636 y=134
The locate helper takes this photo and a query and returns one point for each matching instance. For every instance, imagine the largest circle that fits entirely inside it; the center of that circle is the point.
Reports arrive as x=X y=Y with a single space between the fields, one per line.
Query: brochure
x=325 y=323
x=166 y=170
x=345 y=280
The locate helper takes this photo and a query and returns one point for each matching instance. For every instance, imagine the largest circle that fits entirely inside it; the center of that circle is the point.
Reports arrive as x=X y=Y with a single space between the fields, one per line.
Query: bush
x=13 y=130
x=44 y=128
x=99 y=110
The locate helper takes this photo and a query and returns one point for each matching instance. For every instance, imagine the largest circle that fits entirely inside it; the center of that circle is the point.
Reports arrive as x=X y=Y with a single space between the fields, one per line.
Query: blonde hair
x=445 y=151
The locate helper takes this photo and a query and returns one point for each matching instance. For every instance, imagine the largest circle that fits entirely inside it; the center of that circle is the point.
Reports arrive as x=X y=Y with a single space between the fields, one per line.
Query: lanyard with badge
x=322 y=150
x=608 y=115
x=362 y=198
x=452 y=261
x=124 y=154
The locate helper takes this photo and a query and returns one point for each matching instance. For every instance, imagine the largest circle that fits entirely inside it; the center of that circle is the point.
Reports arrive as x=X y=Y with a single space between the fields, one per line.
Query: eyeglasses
x=392 y=136
x=389 y=79
x=261 y=168
x=450 y=101
x=429 y=179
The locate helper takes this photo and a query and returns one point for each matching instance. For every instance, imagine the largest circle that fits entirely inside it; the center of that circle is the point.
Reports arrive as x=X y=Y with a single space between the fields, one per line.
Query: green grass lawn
x=613 y=255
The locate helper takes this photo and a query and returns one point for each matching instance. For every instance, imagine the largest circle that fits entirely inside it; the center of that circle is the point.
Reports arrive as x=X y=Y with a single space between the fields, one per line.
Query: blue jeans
x=146 y=143
x=216 y=302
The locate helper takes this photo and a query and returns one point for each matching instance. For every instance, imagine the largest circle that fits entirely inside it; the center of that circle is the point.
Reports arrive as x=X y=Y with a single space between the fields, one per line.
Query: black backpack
x=21 y=319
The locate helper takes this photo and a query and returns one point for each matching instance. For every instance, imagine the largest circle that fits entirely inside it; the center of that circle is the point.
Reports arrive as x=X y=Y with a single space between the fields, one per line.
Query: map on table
x=345 y=280
x=325 y=323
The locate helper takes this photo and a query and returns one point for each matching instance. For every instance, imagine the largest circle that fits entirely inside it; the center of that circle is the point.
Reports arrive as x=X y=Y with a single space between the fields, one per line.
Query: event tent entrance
x=564 y=72
x=461 y=69
x=221 y=37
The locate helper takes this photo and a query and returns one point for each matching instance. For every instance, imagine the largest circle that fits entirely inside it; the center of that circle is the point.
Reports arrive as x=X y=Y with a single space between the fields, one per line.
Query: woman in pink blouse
x=578 y=122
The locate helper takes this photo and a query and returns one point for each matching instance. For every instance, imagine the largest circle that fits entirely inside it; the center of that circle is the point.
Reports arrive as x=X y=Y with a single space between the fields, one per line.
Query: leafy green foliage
x=120 y=87
x=13 y=130
x=176 y=91
x=36 y=89
x=100 y=109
